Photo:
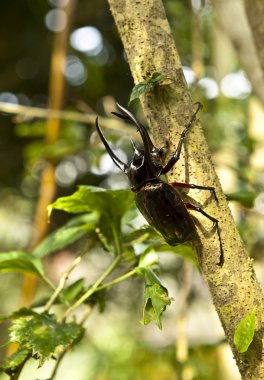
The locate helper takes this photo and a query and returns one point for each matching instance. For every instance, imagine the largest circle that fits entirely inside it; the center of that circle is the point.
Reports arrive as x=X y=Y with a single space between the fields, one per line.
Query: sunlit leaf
x=20 y=261
x=184 y=250
x=43 y=335
x=245 y=331
x=148 y=258
x=66 y=235
x=111 y=205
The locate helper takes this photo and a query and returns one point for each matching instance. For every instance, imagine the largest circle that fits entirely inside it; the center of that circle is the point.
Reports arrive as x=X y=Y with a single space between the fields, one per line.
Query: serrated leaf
x=20 y=261
x=156 y=298
x=65 y=236
x=43 y=335
x=245 y=331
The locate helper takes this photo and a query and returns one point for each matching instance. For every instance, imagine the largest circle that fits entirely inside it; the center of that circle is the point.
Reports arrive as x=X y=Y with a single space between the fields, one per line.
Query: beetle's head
x=146 y=163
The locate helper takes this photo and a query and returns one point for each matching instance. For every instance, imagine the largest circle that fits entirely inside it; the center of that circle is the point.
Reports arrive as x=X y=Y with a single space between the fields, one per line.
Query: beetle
x=160 y=203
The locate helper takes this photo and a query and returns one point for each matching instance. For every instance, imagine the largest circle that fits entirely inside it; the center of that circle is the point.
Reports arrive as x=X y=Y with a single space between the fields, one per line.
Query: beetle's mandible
x=161 y=203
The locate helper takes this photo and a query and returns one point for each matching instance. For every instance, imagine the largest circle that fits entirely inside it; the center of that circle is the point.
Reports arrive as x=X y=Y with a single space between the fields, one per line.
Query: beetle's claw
x=200 y=106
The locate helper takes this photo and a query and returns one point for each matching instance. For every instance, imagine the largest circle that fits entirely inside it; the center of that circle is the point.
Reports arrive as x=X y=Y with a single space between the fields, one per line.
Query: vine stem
x=93 y=288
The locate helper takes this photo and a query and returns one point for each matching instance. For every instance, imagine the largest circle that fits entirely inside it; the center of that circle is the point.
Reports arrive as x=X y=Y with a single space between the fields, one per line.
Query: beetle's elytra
x=160 y=203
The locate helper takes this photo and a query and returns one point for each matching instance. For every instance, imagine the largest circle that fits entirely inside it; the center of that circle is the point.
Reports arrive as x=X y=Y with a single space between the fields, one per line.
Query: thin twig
x=93 y=288
x=65 y=277
x=86 y=118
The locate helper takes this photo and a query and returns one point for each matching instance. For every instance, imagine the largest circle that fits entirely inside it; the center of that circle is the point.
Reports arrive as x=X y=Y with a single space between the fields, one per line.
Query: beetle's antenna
x=115 y=159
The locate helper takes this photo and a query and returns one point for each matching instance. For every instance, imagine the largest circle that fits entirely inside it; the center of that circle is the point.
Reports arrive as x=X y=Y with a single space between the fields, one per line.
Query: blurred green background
x=96 y=74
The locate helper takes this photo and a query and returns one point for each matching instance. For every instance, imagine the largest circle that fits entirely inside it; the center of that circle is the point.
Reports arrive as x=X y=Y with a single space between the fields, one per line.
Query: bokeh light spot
x=75 y=72
x=189 y=75
x=56 y=20
x=88 y=40
x=210 y=87
x=236 y=85
x=8 y=97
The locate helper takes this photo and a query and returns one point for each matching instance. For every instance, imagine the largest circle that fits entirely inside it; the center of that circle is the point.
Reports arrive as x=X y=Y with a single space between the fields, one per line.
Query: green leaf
x=20 y=261
x=158 y=77
x=184 y=250
x=156 y=297
x=148 y=85
x=36 y=129
x=43 y=336
x=66 y=235
x=148 y=258
x=140 y=235
x=138 y=90
x=245 y=198
x=15 y=360
x=245 y=331
x=111 y=205
x=72 y=291
x=22 y=312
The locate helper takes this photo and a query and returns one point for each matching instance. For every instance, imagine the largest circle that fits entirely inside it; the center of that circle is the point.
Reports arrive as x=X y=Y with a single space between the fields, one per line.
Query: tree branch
x=235 y=291
x=255 y=14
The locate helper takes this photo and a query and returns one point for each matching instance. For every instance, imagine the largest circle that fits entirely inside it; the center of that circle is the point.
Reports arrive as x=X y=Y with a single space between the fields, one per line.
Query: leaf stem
x=93 y=288
x=65 y=277
x=117 y=280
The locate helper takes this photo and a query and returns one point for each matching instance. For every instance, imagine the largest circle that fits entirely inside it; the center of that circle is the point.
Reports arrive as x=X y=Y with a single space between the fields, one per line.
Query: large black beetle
x=161 y=203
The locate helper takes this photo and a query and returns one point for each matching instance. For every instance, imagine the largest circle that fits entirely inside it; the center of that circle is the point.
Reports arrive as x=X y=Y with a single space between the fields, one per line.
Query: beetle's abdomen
x=163 y=208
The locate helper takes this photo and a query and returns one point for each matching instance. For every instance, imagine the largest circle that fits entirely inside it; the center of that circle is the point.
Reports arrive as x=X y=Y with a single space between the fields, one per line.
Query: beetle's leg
x=215 y=221
x=193 y=186
x=177 y=153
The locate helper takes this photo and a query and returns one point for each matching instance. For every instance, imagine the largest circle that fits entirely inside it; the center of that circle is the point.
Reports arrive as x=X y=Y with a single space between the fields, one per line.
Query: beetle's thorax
x=142 y=170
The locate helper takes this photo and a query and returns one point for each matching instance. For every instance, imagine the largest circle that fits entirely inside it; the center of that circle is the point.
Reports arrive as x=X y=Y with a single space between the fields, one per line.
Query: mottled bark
x=150 y=47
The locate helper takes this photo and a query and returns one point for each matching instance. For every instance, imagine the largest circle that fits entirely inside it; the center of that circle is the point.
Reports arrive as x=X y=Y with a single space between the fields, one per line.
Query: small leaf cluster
x=148 y=85
x=99 y=217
